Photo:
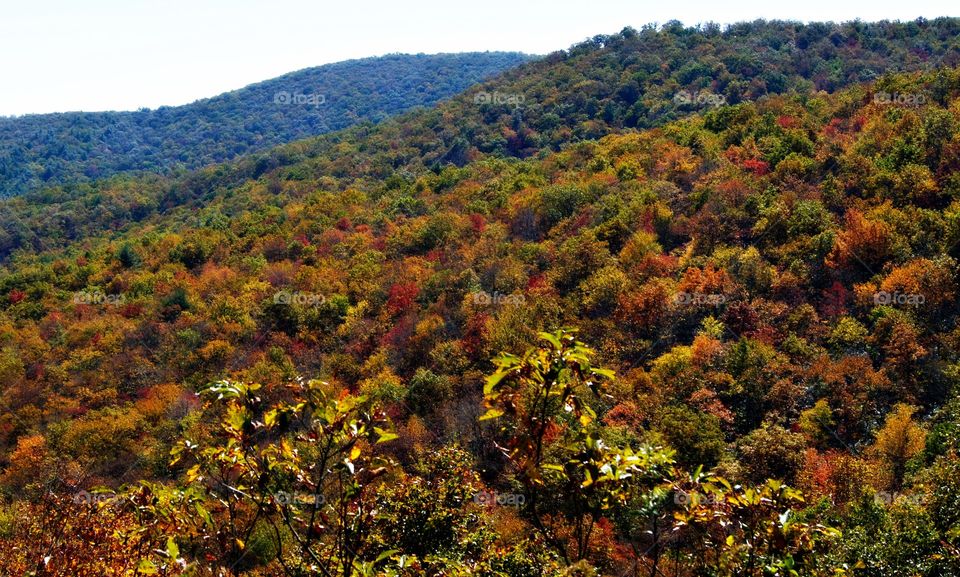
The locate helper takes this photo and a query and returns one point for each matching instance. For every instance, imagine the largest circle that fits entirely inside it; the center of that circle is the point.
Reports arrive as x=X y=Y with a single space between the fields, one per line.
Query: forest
x=42 y=150
x=632 y=80
x=616 y=311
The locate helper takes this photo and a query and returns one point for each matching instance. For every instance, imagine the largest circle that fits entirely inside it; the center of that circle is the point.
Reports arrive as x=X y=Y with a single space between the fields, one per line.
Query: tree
x=862 y=246
x=290 y=480
x=771 y=452
x=545 y=397
x=900 y=439
x=751 y=531
x=696 y=436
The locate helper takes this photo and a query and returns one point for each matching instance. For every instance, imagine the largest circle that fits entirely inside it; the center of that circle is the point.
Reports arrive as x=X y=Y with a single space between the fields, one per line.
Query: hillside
x=772 y=284
x=634 y=79
x=50 y=149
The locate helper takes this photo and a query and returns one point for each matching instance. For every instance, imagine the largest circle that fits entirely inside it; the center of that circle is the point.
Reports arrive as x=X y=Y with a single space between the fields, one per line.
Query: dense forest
x=49 y=149
x=618 y=311
x=635 y=79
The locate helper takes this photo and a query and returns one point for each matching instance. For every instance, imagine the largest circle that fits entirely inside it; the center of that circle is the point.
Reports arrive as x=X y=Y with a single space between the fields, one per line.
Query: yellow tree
x=897 y=442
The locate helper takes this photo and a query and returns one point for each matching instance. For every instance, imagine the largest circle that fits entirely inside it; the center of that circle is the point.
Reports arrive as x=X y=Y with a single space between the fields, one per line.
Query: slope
x=774 y=282
x=633 y=79
x=48 y=149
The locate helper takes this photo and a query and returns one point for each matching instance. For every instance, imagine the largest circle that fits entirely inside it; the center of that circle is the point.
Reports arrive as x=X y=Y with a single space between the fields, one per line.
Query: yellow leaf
x=491 y=414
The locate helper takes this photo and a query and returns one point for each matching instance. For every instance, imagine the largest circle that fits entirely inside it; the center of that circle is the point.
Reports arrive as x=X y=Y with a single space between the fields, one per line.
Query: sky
x=91 y=55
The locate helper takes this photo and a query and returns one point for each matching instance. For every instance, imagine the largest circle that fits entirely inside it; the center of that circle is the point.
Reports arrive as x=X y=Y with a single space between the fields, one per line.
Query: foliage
x=776 y=298
x=303 y=468
x=42 y=150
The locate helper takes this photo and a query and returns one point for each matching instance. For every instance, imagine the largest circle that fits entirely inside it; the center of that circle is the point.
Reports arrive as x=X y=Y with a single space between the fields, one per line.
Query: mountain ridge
x=257 y=83
x=602 y=85
x=64 y=147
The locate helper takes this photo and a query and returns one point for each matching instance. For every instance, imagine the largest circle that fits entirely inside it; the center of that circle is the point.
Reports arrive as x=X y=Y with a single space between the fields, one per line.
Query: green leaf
x=270 y=417
x=553 y=340
x=203 y=514
x=386 y=555
x=491 y=414
x=172 y=550
x=236 y=418
x=588 y=478
x=604 y=373
x=494 y=380
x=384 y=436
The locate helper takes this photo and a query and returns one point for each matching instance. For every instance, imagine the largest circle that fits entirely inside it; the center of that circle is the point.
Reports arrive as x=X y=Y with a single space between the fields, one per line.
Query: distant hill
x=607 y=84
x=48 y=149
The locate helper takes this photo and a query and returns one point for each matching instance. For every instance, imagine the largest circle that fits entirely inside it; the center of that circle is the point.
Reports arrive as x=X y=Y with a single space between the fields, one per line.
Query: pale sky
x=60 y=55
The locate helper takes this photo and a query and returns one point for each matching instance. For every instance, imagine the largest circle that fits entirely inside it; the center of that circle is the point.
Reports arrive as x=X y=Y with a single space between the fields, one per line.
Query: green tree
x=545 y=397
x=292 y=479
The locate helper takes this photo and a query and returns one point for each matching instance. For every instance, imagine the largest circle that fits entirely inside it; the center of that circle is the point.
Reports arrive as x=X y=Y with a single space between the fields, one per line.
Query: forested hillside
x=635 y=79
x=514 y=335
x=50 y=149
